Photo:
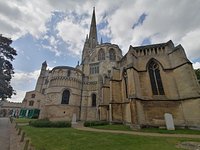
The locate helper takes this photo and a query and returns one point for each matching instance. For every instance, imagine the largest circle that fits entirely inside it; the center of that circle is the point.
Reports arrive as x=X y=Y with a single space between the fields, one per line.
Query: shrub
x=95 y=123
x=50 y=124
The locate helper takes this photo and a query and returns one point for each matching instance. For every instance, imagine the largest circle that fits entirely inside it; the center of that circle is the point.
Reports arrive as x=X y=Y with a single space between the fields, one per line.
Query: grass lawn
x=113 y=127
x=177 y=131
x=23 y=120
x=152 y=130
x=72 y=139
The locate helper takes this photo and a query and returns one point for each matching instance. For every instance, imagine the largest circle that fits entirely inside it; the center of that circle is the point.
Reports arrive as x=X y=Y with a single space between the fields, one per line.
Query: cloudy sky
x=55 y=30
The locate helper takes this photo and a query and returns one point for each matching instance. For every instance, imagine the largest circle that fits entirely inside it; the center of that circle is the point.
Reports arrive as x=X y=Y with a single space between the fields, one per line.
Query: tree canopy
x=7 y=54
x=197 y=71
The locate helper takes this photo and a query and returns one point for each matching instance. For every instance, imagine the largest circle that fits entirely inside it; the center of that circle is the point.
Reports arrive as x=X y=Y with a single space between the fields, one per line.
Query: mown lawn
x=177 y=131
x=72 y=139
x=152 y=130
x=113 y=127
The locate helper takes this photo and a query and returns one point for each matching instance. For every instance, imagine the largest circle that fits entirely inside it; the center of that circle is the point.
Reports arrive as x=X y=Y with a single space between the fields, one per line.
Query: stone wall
x=61 y=112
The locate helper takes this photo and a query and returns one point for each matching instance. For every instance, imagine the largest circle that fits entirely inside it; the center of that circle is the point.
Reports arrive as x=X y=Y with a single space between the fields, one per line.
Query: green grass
x=151 y=130
x=177 y=131
x=113 y=127
x=72 y=139
x=23 y=120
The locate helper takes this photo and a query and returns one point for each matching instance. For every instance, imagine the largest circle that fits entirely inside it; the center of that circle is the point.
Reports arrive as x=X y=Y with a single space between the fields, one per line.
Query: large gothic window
x=94 y=100
x=65 y=97
x=112 y=54
x=101 y=54
x=155 y=78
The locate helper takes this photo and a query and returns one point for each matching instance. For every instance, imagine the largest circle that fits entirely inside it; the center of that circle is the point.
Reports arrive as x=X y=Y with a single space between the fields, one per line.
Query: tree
x=7 y=54
x=197 y=72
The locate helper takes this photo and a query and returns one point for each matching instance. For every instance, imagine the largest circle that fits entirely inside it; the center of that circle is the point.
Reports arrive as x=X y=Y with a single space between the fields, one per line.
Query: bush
x=95 y=123
x=50 y=124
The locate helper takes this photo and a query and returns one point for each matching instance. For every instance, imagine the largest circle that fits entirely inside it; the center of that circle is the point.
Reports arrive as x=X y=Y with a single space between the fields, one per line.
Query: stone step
x=78 y=124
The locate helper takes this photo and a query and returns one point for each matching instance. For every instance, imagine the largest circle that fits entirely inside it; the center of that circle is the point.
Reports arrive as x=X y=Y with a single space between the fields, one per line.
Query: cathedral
x=137 y=88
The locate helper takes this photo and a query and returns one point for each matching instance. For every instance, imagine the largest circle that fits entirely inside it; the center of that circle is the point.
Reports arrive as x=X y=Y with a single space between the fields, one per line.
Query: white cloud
x=21 y=17
x=189 y=42
x=19 y=75
x=196 y=65
x=23 y=82
x=18 y=97
x=73 y=33
x=53 y=45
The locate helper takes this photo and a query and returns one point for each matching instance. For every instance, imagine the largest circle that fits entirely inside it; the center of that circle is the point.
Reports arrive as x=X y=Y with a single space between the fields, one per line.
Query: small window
x=46 y=81
x=68 y=73
x=32 y=95
x=93 y=100
x=94 y=68
x=112 y=54
x=43 y=91
x=31 y=103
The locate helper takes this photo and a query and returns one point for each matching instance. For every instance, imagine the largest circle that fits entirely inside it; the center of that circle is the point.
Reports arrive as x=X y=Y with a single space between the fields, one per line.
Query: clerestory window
x=112 y=54
x=101 y=55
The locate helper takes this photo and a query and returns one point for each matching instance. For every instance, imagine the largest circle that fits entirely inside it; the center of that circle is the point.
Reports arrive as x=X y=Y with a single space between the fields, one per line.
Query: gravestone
x=169 y=121
x=74 y=119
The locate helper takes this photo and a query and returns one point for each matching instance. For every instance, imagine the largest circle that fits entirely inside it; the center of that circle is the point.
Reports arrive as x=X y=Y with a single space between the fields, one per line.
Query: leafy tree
x=7 y=54
x=197 y=71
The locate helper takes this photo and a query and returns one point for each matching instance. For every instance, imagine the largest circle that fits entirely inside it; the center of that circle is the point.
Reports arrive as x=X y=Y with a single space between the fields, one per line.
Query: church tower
x=91 y=41
x=41 y=78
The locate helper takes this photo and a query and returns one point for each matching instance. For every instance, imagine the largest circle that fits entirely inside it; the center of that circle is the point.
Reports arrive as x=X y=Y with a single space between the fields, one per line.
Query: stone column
x=110 y=113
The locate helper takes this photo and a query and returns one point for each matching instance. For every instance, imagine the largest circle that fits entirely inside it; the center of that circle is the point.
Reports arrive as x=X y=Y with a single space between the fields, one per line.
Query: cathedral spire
x=93 y=31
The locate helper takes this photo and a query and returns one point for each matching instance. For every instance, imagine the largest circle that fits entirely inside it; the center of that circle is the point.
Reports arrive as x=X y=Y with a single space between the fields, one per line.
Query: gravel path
x=4 y=134
x=138 y=133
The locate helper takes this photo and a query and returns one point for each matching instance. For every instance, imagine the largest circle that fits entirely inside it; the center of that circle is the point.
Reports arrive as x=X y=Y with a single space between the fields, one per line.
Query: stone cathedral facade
x=137 y=88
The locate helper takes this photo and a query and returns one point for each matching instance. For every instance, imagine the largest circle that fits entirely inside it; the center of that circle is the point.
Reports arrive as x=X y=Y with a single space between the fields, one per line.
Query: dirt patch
x=189 y=145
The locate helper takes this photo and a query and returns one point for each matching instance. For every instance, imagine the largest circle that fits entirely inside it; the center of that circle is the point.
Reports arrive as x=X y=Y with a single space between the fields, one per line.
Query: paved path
x=139 y=133
x=4 y=134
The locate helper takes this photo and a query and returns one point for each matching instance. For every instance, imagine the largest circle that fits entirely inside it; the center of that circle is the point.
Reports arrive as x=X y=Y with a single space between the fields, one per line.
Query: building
x=9 y=109
x=137 y=88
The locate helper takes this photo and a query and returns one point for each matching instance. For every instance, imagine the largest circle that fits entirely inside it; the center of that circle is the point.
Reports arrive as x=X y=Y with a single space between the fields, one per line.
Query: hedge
x=50 y=124
x=95 y=123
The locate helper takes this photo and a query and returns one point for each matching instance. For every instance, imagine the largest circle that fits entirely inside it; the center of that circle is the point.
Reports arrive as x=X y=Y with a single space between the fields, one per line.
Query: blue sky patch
x=139 y=21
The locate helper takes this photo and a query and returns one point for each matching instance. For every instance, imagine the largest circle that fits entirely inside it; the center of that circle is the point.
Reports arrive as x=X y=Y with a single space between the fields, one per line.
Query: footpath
x=139 y=133
x=79 y=126
x=4 y=134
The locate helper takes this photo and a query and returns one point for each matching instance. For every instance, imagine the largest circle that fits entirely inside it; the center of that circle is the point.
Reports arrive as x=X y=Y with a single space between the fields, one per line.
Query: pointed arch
x=101 y=54
x=112 y=54
x=65 y=97
x=155 y=77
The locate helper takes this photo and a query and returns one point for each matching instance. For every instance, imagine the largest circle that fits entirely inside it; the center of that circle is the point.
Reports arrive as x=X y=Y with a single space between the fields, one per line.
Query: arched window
x=155 y=78
x=94 y=100
x=65 y=97
x=101 y=54
x=112 y=54
x=68 y=73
